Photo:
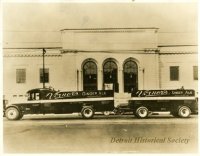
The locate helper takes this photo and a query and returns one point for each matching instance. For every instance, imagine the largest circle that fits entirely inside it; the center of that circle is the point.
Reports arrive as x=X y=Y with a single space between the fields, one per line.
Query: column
x=141 y=74
x=120 y=80
x=80 y=80
x=100 y=79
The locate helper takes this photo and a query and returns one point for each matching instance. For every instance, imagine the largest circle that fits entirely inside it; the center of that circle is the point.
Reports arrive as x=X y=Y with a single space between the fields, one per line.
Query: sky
x=39 y=24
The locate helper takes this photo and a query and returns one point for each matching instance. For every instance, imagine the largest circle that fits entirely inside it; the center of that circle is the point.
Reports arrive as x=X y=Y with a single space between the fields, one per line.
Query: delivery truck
x=181 y=103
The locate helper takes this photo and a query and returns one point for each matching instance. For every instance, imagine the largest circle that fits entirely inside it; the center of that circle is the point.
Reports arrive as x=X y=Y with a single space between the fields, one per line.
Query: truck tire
x=141 y=112
x=87 y=112
x=106 y=113
x=184 y=111
x=13 y=113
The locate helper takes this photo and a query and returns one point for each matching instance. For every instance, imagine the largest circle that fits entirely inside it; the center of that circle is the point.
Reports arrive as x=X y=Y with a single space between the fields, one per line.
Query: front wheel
x=184 y=112
x=141 y=112
x=13 y=113
x=87 y=112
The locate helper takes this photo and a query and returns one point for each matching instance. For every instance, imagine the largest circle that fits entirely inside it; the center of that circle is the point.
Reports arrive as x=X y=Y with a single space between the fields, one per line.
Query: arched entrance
x=130 y=69
x=89 y=76
x=110 y=74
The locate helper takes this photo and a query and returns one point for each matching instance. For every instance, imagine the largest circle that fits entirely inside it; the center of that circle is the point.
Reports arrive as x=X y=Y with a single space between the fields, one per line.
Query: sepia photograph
x=115 y=77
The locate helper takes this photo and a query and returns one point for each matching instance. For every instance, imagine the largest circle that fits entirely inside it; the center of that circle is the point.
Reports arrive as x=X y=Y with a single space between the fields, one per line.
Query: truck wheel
x=141 y=112
x=184 y=112
x=12 y=113
x=106 y=113
x=87 y=112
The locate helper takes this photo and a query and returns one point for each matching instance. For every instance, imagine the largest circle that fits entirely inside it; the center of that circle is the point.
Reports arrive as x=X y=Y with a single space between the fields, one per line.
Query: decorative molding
x=151 y=50
x=145 y=51
x=111 y=31
x=31 y=55
x=186 y=45
x=176 y=53
x=74 y=51
x=92 y=29
x=106 y=51
x=63 y=51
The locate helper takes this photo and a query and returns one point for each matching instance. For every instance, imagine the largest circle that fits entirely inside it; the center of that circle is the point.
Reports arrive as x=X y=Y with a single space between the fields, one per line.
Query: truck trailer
x=180 y=102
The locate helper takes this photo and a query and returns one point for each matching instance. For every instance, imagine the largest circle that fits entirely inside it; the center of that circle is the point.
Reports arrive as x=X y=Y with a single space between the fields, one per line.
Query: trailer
x=180 y=102
x=49 y=101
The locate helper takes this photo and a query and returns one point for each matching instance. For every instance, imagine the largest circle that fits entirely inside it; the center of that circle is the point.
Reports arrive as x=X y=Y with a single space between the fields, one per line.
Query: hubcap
x=12 y=114
x=106 y=113
x=88 y=112
x=142 y=112
x=185 y=112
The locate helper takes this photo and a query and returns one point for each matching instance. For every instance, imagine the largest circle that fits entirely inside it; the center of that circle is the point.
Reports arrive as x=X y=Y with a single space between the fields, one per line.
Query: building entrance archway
x=130 y=71
x=110 y=74
x=89 y=76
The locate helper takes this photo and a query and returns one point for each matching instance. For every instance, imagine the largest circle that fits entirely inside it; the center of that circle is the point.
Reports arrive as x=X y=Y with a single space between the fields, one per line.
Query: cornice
x=31 y=55
x=101 y=29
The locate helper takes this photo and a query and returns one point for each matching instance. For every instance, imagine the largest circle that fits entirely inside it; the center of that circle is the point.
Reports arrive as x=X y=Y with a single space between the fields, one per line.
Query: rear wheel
x=106 y=113
x=87 y=112
x=13 y=113
x=184 y=112
x=141 y=112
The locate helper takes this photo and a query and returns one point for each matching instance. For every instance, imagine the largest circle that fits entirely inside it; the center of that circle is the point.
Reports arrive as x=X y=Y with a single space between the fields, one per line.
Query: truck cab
x=39 y=93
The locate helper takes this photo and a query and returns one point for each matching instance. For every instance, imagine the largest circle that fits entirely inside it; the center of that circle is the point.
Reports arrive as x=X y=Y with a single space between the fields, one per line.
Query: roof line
x=107 y=28
x=36 y=48
x=176 y=45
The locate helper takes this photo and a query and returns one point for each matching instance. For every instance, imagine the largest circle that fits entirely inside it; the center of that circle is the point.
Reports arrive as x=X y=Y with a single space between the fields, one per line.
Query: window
x=89 y=76
x=46 y=75
x=174 y=73
x=110 y=74
x=20 y=75
x=195 y=72
x=130 y=76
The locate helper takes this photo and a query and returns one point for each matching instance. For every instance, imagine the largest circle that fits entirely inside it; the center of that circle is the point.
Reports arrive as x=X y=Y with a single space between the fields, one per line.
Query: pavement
x=102 y=134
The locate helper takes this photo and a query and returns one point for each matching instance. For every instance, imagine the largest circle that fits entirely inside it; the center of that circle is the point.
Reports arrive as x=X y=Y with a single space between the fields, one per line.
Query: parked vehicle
x=47 y=101
x=181 y=103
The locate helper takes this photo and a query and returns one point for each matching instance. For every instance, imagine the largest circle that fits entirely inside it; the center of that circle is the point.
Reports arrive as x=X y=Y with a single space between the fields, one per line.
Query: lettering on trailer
x=163 y=93
x=78 y=94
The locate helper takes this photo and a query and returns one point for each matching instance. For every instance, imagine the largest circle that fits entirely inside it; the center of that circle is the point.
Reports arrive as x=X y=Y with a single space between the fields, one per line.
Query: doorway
x=110 y=74
x=130 y=75
x=89 y=76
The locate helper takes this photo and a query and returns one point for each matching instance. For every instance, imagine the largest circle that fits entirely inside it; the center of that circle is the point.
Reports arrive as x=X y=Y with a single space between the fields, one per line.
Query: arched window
x=110 y=74
x=130 y=76
x=89 y=76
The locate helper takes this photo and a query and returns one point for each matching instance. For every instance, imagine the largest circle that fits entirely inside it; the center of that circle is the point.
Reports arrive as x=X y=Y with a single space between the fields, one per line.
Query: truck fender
x=14 y=107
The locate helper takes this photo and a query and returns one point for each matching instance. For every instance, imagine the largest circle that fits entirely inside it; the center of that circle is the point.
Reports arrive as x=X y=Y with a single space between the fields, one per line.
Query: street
x=103 y=134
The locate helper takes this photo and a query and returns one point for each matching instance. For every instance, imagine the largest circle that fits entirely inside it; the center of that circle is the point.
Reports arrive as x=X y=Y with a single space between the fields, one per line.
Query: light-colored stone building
x=124 y=59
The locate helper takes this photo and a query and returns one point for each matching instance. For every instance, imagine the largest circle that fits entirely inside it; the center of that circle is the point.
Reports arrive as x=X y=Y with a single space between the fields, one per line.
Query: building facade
x=122 y=59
